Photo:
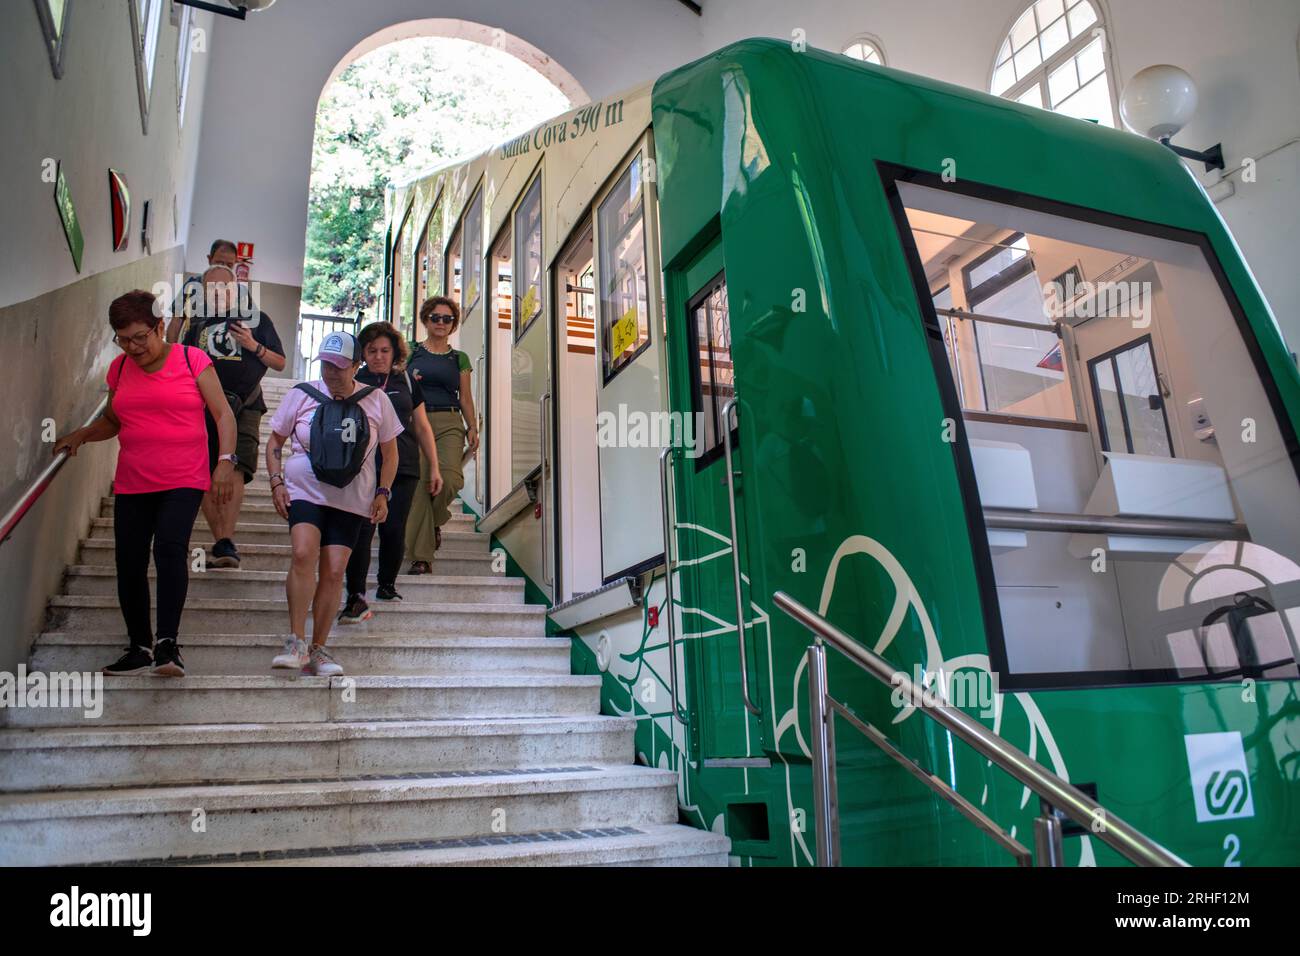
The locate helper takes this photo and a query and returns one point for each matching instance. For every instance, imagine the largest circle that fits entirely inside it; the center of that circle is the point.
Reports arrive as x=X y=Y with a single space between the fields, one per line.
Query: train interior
x=1101 y=372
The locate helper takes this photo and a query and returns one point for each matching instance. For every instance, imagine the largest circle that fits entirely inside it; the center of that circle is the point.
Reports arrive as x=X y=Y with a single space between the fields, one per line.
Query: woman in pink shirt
x=156 y=396
x=324 y=519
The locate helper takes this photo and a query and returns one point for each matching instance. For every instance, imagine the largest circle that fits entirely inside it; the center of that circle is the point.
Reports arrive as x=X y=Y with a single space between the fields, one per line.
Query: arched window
x=1055 y=57
x=865 y=48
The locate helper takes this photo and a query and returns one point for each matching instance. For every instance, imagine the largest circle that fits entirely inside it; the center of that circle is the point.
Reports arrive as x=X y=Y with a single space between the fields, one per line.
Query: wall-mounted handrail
x=1012 y=519
x=669 y=522
x=728 y=413
x=37 y=488
x=1056 y=793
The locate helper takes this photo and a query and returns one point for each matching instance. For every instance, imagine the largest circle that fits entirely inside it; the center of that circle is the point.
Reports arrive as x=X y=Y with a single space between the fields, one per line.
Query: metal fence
x=312 y=329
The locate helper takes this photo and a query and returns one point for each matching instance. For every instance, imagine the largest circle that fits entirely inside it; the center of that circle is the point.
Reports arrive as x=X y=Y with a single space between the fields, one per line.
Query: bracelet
x=275 y=478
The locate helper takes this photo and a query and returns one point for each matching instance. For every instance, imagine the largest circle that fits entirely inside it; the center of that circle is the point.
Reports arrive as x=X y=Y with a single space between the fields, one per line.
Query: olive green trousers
x=430 y=512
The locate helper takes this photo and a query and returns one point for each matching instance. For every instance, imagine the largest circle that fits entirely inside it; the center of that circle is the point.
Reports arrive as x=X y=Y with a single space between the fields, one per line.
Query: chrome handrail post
x=1048 y=849
x=728 y=413
x=669 y=523
x=823 y=800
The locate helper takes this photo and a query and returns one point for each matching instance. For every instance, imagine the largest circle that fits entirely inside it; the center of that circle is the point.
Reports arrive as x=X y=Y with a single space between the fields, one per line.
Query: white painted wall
x=90 y=120
x=1243 y=56
x=256 y=152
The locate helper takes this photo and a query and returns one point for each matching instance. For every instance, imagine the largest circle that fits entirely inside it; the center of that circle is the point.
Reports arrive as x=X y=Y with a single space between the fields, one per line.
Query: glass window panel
x=1143 y=401
x=1090 y=103
x=1112 y=419
x=1026 y=60
x=473 y=254
x=1032 y=96
x=1054 y=38
x=1091 y=60
x=1062 y=82
x=528 y=257
x=1003 y=78
x=624 y=312
x=455 y=265
x=1022 y=371
x=992 y=265
x=1004 y=52
x=1081 y=16
x=1048 y=10
x=1024 y=30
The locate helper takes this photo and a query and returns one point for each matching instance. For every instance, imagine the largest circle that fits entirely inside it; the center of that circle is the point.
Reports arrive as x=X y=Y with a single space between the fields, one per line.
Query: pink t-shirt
x=293 y=420
x=163 y=442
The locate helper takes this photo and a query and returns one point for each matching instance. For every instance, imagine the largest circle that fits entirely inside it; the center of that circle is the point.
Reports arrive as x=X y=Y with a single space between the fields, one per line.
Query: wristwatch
x=232 y=458
x=386 y=492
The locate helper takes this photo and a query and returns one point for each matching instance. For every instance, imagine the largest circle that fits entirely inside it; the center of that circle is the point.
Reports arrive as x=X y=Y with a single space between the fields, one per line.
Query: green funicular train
x=1002 y=403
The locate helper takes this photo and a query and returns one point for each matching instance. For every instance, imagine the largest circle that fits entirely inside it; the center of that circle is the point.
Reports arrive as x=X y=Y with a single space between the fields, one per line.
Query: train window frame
x=1103 y=434
x=397 y=263
x=429 y=244
x=521 y=324
x=634 y=169
x=716 y=450
x=468 y=218
x=891 y=176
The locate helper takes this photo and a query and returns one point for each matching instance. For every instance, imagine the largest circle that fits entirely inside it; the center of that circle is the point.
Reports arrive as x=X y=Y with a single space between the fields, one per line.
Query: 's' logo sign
x=1220 y=781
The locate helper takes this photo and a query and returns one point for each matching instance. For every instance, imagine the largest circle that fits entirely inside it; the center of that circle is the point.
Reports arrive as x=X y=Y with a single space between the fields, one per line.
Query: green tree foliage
x=400 y=110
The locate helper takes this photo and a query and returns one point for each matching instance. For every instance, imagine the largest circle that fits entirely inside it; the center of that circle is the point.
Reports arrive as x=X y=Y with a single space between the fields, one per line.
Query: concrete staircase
x=457 y=737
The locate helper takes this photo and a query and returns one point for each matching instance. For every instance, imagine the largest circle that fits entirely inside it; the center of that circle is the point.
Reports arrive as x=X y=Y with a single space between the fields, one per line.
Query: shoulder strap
x=117 y=376
x=185 y=350
x=358 y=396
x=409 y=387
x=314 y=392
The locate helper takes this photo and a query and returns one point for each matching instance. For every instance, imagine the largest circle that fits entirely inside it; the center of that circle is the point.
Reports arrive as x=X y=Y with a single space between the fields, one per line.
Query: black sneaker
x=167 y=659
x=224 y=554
x=355 y=611
x=136 y=660
x=386 y=592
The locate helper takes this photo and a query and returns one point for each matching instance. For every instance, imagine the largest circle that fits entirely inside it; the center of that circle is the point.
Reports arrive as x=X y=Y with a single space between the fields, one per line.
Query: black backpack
x=335 y=460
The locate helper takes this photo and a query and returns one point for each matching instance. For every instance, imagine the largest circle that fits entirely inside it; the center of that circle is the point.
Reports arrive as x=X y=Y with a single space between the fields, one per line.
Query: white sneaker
x=293 y=657
x=321 y=664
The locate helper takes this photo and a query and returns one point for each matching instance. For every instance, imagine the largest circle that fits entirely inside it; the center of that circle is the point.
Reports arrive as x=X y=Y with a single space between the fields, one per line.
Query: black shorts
x=336 y=527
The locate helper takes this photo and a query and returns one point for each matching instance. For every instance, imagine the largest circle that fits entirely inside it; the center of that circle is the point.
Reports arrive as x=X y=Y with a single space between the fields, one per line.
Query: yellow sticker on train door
x=528 y=305
x=624 y=333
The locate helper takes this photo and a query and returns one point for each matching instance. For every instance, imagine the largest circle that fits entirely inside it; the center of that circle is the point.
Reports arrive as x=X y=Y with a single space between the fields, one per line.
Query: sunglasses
x=442 y=317
x=139 y=340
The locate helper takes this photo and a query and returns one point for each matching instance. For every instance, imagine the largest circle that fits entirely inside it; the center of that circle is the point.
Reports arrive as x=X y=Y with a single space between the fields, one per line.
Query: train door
x=531 y=431
x=725 y=699
x=629 y=390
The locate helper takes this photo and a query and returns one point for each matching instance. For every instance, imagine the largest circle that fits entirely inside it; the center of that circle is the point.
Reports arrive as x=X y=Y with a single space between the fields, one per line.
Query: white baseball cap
x=338 y=348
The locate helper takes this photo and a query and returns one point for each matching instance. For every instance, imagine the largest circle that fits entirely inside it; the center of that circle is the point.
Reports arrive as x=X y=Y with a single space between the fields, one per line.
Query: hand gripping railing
x=15 y=514
x=1056 y=795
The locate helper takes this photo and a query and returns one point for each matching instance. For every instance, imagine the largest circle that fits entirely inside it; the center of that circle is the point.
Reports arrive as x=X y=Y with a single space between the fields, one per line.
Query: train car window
x=454 y=272
x=624 y=312
x=528 y=258
x=713 y=384
x=1130 y=406
x=403 y=286
x=1157 y=541
x=472 y=284
x=428 y=264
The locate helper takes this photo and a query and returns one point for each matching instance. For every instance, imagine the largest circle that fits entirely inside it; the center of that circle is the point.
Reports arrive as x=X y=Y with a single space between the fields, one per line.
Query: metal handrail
x=37 y=488
x=665 y=464
x=478 y=414
x=1017 y=520
x=542 y=404
x=1056 y=794
x=728 y=413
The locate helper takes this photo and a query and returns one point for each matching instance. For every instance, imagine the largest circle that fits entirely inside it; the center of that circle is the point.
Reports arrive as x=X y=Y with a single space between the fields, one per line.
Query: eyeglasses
x=441 y=317
x=139 y=340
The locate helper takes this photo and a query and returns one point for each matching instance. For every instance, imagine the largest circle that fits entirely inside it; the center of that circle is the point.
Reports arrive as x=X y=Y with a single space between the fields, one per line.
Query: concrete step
x=275 y=557
x=370 y=652
x=653 y=845
x=131 y=756
x=277 y=532
x=291 y=699
x=269 y=586
x=99 y=613
x=259 y=509
x=53 y=827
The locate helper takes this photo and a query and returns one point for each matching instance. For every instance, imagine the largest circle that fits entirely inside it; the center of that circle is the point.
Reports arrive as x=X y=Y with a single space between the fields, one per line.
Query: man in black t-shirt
x=242 y=348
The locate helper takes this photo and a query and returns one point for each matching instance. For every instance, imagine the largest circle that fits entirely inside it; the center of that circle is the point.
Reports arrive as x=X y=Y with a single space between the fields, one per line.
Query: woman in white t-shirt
x=324 y=520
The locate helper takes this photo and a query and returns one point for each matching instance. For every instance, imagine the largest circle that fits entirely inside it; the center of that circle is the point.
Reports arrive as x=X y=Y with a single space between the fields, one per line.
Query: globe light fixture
x=1158 y=102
